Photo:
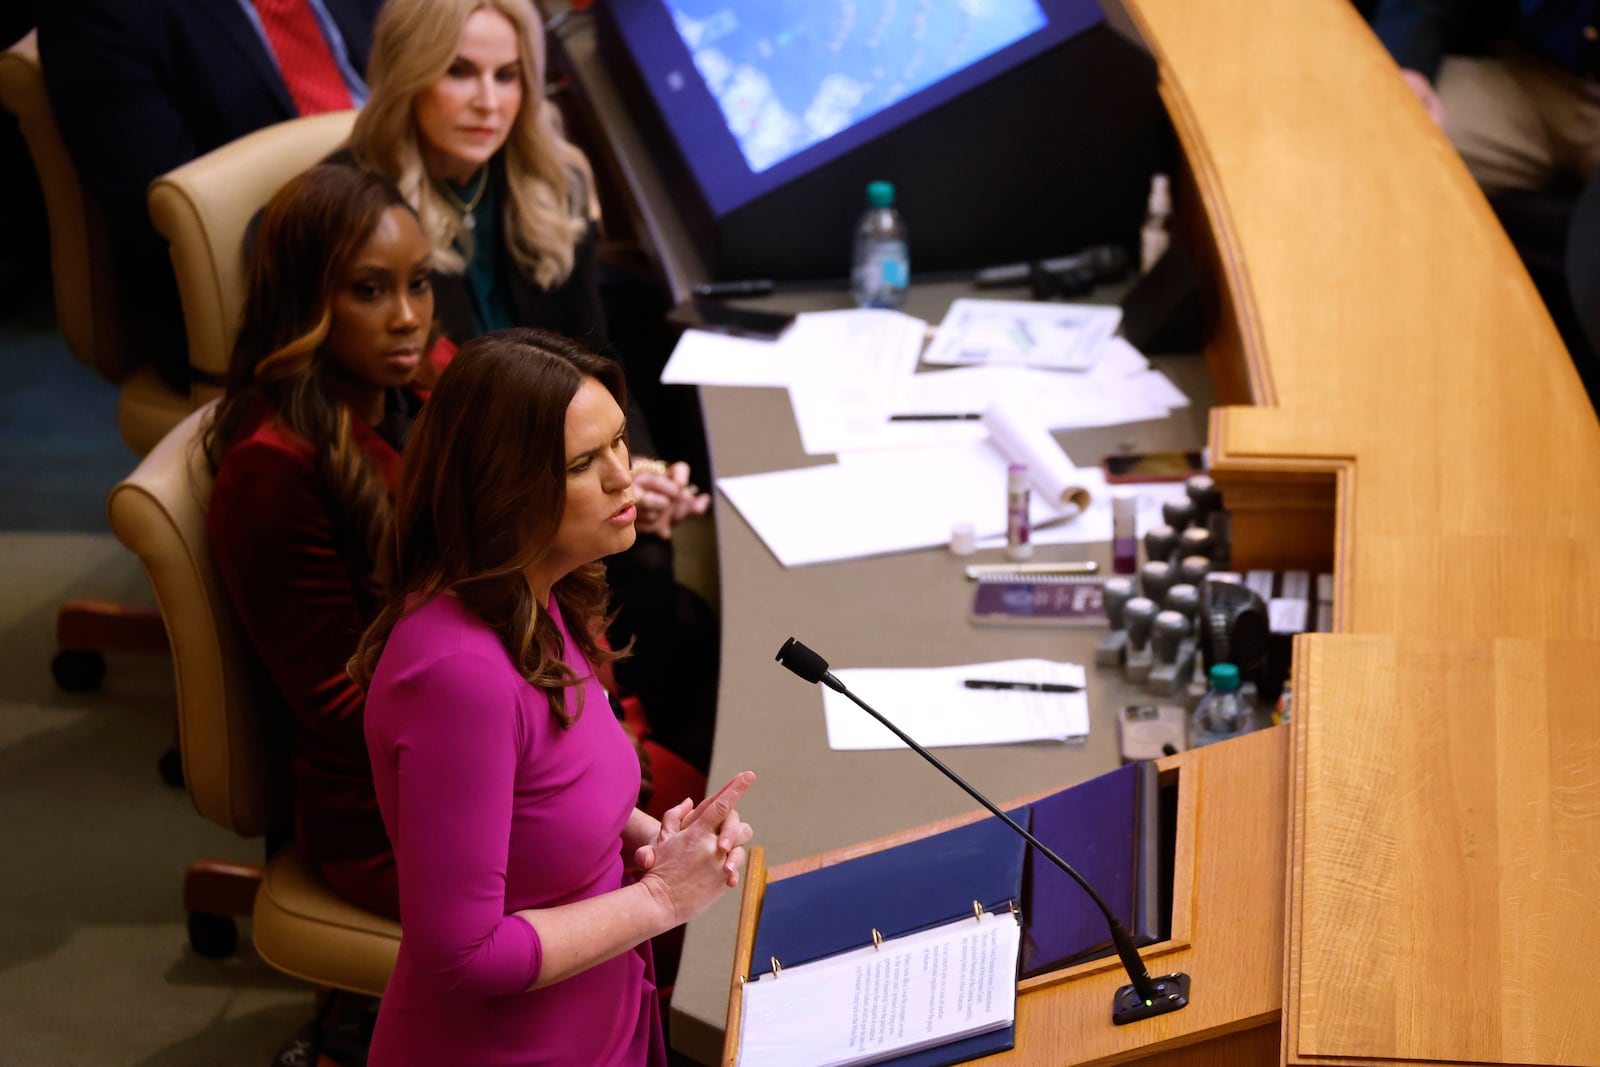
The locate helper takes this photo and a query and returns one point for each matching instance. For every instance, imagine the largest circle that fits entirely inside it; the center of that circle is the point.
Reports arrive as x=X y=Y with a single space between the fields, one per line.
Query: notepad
x=883 y=1001
x=1039 y=600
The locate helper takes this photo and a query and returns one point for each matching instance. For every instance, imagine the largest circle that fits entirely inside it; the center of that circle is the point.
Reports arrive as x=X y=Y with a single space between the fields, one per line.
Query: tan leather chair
x=90 y=314
x=203 y=210
x=233 y=741
x=89 y=307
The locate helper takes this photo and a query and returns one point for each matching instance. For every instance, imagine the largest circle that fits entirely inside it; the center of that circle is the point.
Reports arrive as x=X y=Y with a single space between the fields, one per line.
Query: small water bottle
x=1223 y=712
x=881 y=269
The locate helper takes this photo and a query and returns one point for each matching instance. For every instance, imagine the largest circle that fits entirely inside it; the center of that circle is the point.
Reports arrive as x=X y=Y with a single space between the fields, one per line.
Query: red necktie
x=304 y=58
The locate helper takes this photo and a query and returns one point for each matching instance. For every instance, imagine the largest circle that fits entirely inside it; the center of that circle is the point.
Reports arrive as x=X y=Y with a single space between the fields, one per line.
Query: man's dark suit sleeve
x=120 y=123
x=1417 y=32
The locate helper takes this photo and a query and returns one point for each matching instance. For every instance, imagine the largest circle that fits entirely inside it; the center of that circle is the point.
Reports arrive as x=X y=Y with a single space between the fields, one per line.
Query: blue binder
x=1107 y=828
x=896 y=891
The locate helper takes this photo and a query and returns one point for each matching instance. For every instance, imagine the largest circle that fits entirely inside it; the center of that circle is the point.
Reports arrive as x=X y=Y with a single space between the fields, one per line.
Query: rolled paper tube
x=1022 y=439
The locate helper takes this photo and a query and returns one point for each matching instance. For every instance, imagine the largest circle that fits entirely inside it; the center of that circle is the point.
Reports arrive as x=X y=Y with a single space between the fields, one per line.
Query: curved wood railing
x=1413 y=419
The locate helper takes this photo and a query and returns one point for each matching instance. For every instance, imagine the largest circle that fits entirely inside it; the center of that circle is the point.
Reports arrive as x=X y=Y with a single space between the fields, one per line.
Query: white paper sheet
x=854 y=361
x=873 y=503
x=705 y=358
x=1062 y=336
x=937 y=711
x=870 y=343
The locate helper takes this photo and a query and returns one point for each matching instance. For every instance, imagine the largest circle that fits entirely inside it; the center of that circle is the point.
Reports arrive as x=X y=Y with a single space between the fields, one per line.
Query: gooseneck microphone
x=1144 y=996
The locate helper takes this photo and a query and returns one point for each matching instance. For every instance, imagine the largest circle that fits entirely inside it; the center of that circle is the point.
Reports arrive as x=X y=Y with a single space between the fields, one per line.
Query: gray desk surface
x=906 y=610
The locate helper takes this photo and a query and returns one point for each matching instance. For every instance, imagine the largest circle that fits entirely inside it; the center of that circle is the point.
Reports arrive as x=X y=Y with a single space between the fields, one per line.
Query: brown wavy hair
x=308 y=234
x=482 y=489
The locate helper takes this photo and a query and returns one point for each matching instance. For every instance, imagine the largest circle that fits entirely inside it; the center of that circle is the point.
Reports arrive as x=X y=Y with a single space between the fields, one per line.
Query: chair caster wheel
x=215 y=937
x=78 y=670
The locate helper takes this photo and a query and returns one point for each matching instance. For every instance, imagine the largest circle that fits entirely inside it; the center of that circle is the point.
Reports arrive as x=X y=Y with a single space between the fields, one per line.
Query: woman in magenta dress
x=530 y=885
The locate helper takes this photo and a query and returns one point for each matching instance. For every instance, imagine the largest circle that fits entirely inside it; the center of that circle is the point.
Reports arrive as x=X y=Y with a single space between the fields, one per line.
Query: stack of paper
x=1025 y=332
x=880 y=501
x=921 y=453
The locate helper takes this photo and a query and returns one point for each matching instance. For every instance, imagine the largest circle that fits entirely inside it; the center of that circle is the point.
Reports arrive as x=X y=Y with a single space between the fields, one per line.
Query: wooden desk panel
x=1441 y=915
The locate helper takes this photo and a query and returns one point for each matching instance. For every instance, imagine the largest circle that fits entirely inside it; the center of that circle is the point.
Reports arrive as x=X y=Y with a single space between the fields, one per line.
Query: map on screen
x=790 y=73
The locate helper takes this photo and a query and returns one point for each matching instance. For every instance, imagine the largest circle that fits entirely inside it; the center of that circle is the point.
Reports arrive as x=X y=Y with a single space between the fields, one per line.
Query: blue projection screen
x=767 y=90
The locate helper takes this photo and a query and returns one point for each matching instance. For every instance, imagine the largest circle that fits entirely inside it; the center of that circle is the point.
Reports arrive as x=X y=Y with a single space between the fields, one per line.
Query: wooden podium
x=1227 y=931
x=1227 y=927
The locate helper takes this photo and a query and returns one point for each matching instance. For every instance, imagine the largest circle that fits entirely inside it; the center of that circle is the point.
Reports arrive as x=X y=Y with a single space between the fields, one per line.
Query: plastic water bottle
x=1223 y=712
x=881 y=269
x=1153 y=237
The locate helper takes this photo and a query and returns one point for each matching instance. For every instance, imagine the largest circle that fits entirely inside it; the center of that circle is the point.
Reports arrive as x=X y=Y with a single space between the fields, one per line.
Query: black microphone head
x=802 y=661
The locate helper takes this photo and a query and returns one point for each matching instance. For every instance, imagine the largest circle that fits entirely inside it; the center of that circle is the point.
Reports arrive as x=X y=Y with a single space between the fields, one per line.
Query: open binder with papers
x=843 y=959
x=913 y=898
x=929 y=991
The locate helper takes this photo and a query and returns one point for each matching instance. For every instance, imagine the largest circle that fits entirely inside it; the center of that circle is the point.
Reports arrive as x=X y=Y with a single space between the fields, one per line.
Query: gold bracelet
x=643 y=465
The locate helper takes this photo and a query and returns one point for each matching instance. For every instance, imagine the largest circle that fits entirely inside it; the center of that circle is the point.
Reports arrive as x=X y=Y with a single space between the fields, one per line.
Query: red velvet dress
x=289 y=575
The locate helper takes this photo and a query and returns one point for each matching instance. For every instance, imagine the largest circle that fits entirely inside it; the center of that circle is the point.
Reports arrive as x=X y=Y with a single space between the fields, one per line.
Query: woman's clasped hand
x=666 y=498
x=697 y=853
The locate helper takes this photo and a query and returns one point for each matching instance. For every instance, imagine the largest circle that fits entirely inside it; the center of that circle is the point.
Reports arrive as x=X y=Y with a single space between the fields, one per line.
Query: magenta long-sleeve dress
x=494 y=807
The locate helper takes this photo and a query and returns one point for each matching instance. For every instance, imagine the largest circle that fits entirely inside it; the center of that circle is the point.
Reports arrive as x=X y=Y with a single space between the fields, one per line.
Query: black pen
x=1031 y=687
x=948 y=416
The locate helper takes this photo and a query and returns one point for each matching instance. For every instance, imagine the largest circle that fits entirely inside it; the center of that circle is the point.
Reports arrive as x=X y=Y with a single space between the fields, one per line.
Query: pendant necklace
x=465 y=207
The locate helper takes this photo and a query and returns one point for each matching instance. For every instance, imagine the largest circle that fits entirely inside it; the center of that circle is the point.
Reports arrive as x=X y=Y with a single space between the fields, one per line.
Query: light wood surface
x=1446 y=788
x=1226 y=927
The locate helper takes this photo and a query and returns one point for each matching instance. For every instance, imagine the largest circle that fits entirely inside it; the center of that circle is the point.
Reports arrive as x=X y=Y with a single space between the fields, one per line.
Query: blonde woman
x=458 y=121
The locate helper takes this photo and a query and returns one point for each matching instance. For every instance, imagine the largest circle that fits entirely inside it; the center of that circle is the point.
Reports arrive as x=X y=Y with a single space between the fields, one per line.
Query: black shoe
x=345 y=1029
x=301 y=1051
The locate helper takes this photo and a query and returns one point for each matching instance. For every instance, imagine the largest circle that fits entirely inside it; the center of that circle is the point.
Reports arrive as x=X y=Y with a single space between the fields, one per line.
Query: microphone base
x=1172 y=993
